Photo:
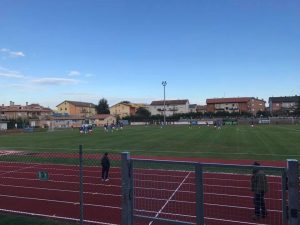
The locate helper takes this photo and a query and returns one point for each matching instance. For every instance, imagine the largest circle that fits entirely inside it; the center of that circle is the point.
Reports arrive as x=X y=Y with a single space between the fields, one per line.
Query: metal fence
x=172 y=192
x=69 y=187
x=61 y=186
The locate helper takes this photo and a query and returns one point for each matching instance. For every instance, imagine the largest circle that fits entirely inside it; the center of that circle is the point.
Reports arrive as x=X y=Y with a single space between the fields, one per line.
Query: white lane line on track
x=18 y=170
x=59 y=190
x=58 y=201
x=144 y=198
x=192 y=216
x=140 y=187
x=162 y=208
x=55 y=217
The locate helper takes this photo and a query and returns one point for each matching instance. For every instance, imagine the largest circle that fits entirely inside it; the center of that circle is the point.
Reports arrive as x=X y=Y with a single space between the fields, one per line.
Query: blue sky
x=85 y=50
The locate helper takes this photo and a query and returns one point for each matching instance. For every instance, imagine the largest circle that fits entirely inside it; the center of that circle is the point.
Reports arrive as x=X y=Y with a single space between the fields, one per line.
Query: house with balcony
x=236 y=105
x=171 y=107
x=283 y=105
x=27 y=111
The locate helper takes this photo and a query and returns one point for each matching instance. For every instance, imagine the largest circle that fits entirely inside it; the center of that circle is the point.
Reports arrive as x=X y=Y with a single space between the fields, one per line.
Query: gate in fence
x=174 y=192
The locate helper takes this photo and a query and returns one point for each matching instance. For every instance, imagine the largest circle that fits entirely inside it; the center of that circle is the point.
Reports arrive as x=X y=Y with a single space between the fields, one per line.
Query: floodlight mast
x=164 y=83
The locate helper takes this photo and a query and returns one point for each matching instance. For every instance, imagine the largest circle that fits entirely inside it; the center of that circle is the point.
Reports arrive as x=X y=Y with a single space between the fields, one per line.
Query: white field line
x=53 y=216
x=162 y=208
x=58 y=201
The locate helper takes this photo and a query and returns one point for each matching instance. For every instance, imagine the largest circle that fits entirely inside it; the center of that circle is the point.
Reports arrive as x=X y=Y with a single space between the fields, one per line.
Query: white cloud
x=12 y=54
x=54 y=81
x=10 y=73
x=74 y=73
x=16 y=54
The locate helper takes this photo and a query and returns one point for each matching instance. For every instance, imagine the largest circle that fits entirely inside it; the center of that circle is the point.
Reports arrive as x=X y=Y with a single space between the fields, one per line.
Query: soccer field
x=271 y=142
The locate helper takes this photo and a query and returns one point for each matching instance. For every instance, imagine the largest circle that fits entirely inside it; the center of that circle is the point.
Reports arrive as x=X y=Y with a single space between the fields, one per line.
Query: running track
x=158 y=193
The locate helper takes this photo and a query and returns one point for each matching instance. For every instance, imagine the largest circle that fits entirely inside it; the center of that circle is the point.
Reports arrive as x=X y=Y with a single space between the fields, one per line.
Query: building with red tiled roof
x=284 y=105
x=236 y=105
x=28 y=111
x=77 y=108
x=123 y=109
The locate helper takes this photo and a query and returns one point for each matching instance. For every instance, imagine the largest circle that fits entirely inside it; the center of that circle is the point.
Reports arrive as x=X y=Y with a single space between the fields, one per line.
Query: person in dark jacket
x=105 y=163
x=259 y=186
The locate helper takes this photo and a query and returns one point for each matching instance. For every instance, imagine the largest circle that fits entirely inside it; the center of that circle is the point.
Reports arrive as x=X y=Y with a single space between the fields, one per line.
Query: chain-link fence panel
x=102 y=188
x=45 y=185
x=244 y=195
x=170 y=192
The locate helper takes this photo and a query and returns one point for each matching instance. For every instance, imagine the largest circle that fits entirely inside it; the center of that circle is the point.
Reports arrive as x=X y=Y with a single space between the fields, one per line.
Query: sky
x=86 y=50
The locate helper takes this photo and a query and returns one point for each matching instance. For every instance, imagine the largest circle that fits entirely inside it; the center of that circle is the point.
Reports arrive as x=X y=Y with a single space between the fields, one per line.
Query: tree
x=143 y=113
x=125 y=102
x=102 y=107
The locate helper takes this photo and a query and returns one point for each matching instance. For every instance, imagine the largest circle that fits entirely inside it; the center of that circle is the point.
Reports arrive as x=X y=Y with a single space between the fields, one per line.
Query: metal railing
x=177 y=192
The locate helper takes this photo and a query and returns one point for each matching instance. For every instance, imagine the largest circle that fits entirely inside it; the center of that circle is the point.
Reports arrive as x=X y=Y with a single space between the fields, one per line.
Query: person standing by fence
x=259 y=186
x=105 y=163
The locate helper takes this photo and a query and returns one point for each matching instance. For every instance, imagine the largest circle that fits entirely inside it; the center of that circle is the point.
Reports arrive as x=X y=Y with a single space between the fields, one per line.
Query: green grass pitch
x=271 y=142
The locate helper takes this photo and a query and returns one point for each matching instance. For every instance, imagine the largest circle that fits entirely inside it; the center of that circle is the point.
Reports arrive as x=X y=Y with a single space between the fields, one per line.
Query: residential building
x=236 y=105
x=76 y=108
x=193 y=108
x=28 y=111
x=124 y=109
x=283 y=105
x=171 y=106
x=201 y=109
x=102 y=119
x=3 y=125
x=67 y=121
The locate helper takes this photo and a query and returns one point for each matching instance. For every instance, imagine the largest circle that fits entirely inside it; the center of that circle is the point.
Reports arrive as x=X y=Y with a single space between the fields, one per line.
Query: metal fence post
x=199 y=194
x=127 y=192
x=283 y=197
x=293 y=191
x=81 y=184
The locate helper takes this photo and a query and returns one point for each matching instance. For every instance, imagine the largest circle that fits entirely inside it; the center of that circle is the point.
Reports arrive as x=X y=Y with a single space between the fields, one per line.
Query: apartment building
x=29 y=111
x=283 y=105
x=171 y=107
x=236 y=105
x=124 y=109
x=76 y=108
